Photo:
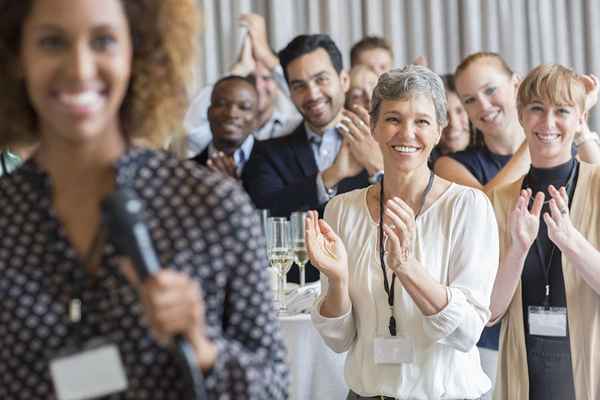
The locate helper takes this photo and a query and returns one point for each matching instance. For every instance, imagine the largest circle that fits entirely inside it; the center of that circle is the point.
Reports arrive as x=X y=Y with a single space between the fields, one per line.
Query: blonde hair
x=552 y=83
x=483 y=56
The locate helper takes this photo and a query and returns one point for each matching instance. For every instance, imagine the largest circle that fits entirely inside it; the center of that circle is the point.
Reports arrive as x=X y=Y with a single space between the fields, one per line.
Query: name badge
x=552 y=322
x=393 y=350
x=89 y=373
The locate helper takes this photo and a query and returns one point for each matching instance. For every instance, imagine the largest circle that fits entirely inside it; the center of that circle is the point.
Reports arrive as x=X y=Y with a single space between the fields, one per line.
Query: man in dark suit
x=232 y=118
x=304 y=170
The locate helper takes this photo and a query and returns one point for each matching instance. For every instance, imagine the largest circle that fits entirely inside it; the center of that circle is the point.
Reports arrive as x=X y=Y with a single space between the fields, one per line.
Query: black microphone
x=123 y=214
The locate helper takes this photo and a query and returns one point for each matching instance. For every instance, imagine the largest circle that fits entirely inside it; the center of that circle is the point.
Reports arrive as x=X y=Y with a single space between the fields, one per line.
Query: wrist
x=206 y=352
x=574 y=247
x=331 y=177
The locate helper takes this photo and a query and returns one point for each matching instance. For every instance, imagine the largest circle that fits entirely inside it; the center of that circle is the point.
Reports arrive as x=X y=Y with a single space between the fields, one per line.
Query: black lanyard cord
x=546 y=265
x=389 y=290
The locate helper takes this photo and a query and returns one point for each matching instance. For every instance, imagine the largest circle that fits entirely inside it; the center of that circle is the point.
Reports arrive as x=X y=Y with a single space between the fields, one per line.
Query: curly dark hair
x=164 y=35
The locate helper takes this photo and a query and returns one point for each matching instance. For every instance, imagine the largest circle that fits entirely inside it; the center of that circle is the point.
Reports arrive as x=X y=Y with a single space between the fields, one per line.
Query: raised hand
x=325 y=249
x=354 y=126
x=560 y=228
x=257 y=30
x=591 y=87
x=245 y=63
x=400 y=227
x=523 y=224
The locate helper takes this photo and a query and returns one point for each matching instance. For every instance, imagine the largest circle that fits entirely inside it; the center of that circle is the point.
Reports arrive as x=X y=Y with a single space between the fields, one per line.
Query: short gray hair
x=404 y=83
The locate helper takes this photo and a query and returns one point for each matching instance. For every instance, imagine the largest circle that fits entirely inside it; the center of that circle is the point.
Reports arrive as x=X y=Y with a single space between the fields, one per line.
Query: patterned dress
x=201 y=223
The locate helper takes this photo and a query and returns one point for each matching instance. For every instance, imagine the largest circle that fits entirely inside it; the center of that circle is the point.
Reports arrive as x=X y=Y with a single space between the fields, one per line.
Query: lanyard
x=547 y=265
x=390 y=290
x=76 y=289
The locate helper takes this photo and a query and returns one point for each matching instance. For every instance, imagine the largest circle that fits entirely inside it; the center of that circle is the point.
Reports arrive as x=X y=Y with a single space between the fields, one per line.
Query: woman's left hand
x=560 y=229
x=173 y=304
x=399 y=225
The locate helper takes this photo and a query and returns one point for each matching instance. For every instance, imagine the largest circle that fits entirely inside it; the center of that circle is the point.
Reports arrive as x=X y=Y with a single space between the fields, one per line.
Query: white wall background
x=524 y=32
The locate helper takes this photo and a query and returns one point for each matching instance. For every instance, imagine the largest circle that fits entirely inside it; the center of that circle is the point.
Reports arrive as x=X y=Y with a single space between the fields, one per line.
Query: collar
x=245 y=149
x=314 y=137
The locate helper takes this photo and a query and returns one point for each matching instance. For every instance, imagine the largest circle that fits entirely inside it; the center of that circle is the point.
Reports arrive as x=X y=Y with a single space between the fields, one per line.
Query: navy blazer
x=281 y=176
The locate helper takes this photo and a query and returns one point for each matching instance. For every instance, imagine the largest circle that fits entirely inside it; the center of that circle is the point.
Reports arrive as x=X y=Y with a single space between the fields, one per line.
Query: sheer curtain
x=525 y=32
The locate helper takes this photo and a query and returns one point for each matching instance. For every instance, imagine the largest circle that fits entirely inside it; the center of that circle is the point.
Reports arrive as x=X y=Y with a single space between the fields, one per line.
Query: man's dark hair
x=248 y=79
x=304 y=44
x=368 y=43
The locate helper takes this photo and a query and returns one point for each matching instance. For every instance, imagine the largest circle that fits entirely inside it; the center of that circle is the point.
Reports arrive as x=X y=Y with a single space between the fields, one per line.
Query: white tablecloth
x=317 y=372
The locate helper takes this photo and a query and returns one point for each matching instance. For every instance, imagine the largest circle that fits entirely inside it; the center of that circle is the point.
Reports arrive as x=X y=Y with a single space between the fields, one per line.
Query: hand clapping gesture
x=524 y=224
x=355 y=127
x=400 y=227
x=591 y=86
x=325 y=249
x=560 y=229
x=223 y=163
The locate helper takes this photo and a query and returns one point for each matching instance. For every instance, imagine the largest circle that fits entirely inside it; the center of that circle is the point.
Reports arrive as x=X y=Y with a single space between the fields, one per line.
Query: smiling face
x=232 y=113
x=488 y=94
x=455 y=136
x=550 y=130
x=76 y=60
x=317 y=90
x=406 y=130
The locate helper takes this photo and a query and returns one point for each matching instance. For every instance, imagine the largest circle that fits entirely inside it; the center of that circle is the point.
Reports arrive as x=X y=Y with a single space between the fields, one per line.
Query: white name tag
x=393 y=350
x=552 y=322
x=89 y=373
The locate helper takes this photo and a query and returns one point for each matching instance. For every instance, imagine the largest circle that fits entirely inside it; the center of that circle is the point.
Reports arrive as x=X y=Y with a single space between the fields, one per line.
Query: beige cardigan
x=512 y=382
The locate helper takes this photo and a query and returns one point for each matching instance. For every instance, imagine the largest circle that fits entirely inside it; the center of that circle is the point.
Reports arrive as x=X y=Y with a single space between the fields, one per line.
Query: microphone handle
x=192 y=374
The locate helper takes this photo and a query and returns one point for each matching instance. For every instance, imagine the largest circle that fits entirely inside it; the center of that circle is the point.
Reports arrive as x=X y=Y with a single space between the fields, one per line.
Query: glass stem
x=302 y=275
x=281 y=291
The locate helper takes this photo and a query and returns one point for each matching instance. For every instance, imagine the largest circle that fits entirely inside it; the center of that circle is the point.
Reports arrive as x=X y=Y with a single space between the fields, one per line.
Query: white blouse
x=457 y=242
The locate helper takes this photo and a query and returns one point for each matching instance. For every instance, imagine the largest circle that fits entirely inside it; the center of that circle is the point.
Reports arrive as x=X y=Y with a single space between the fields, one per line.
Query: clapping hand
x=223 y=163
x=325 y=249
x=524 y=224
x=354 y=126
x=560 y=228
x=400 y=228
x=591 y=87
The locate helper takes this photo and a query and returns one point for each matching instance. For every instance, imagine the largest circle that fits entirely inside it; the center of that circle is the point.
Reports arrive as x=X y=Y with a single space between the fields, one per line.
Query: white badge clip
x=547 y=322
x=89 y=373
x=393 y=350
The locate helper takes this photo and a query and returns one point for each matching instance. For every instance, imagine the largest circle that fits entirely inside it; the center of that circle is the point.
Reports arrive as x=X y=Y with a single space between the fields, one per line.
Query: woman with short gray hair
x=407 y=298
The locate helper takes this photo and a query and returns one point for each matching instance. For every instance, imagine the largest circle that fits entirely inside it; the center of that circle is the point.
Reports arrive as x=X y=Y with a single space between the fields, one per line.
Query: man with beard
x=317 y=160
x=232 y=118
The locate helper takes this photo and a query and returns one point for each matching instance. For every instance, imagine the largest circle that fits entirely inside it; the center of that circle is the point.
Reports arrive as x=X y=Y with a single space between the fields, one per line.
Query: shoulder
x=344 y=204
x=467 y=198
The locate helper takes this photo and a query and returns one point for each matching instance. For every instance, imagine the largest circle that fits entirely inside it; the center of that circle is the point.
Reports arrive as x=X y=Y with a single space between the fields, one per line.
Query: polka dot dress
x=200 y=222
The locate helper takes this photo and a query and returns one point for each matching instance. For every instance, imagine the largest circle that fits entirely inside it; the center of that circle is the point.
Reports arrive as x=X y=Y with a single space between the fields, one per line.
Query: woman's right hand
x=524 y=224
x=325 y=249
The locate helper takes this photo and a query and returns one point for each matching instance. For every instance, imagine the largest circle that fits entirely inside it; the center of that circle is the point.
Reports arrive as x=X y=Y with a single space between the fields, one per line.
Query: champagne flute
x=280 y=255
x=300 y=254
x=264 y=216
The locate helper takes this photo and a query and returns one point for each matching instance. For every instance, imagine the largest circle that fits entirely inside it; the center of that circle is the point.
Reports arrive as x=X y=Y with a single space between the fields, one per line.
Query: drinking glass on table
x=280 y=255
x=264 y=216
x=300 y=254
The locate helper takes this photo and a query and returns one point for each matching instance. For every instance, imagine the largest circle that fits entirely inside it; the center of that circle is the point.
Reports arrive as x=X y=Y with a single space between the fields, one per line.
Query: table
x=316 y=371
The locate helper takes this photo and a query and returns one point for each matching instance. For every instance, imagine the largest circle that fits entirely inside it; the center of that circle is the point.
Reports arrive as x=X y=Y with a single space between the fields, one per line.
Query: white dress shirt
x=457 y=243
